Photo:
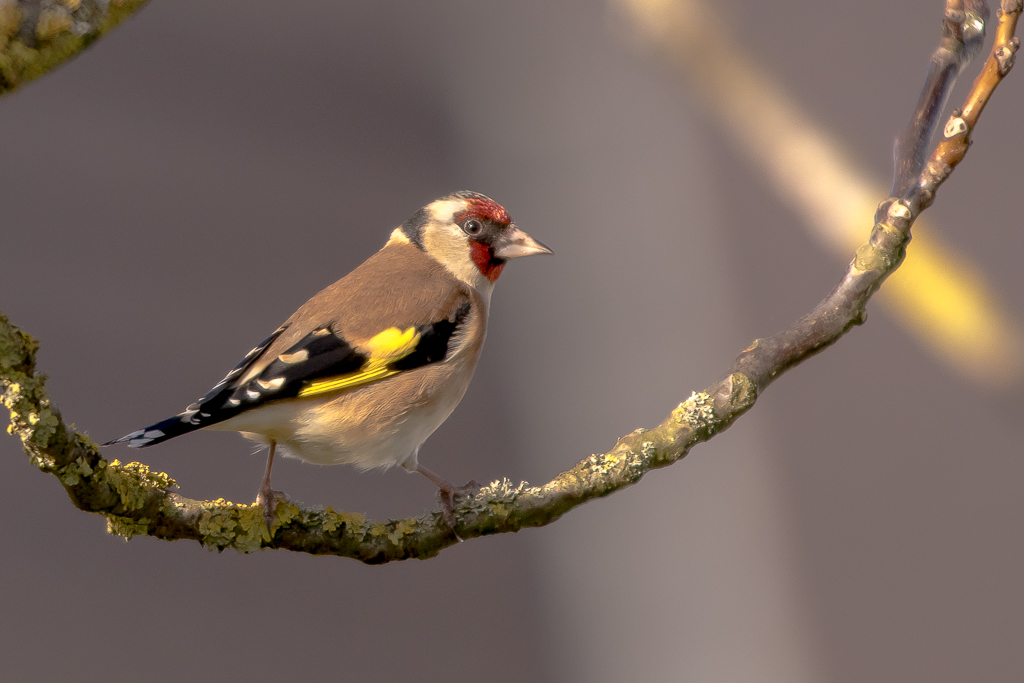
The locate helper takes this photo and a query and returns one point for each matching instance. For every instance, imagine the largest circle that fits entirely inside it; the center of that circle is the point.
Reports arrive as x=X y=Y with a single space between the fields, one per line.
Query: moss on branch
x=138 y=501
x=36 y=37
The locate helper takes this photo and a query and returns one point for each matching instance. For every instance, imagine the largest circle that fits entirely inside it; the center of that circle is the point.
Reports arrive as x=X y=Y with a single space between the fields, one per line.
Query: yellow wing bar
x=385 y=348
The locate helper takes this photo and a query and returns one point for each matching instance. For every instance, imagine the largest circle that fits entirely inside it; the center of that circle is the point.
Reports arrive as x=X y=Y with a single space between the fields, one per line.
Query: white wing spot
x=233 y=402
x=272 y=385
x=153 y=434
x=252 y=395
x=297 y=357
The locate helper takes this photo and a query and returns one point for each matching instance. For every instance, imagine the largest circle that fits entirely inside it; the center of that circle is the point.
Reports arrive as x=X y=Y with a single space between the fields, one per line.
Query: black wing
x=319 y=363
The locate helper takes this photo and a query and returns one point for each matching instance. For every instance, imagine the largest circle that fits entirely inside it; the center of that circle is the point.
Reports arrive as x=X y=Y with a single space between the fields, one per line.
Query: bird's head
x=471 y=235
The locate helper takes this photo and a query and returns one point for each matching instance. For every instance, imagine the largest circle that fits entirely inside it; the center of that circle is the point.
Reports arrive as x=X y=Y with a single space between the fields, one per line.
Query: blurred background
x=172 y=195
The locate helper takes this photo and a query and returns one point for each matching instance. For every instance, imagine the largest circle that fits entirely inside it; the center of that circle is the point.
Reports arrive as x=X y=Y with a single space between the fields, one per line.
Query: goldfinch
x=368 y=368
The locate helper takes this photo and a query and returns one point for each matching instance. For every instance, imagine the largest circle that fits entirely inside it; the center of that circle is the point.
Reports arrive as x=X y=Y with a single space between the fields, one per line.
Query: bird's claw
x=269 y=498
x=448 y=496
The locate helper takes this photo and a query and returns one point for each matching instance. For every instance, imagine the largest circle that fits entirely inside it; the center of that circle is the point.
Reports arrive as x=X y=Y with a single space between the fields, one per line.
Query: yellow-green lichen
x=159 y=480
x=42 y=461
x=870 y=257
x=52 y=22
x=607 y=462
x=503 y=489
x=60 y=32
x=224 y=525
x=31 y=420
x=496 y=498
x=284 y=512
x=12 y=395
x=697 y=411
x=335 y=520
x=11 y=399
x=10 y=20
x=402 y=528
x=126 y=526
x=742 y=392
x=134 y=481
x=500 y=509
x=44 y=425
x=73 y=473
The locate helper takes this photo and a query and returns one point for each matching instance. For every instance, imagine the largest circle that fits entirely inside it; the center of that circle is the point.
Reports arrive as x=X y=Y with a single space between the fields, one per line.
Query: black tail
x=159 y=432
x=216 y=406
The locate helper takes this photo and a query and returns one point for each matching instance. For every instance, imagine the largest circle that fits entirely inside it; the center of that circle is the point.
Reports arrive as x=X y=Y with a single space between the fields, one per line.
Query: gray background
x=172 y=195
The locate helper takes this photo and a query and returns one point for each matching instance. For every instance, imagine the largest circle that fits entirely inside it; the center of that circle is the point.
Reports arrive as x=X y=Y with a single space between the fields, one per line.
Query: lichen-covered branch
x=39 y=35
x=137 y=501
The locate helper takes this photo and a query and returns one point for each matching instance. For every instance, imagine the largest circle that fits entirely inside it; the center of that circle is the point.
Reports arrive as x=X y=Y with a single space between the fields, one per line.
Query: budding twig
x=963 y=32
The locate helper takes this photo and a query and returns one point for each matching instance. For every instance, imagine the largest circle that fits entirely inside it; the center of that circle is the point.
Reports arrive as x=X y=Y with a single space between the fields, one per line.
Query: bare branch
x=963 y=33
x=137 y=501
x=886 y=248
x=939 y=296
x=956 y=134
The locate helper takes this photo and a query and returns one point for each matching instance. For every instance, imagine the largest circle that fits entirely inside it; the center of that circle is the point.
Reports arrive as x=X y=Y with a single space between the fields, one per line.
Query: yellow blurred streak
x=940 y=298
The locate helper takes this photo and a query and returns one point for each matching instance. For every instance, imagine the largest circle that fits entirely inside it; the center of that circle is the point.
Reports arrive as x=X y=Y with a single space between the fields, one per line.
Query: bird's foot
x=269 y=498
x=448 y=494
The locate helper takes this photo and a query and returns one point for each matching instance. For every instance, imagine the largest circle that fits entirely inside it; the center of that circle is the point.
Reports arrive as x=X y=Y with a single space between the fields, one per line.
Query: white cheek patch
x=448 y=245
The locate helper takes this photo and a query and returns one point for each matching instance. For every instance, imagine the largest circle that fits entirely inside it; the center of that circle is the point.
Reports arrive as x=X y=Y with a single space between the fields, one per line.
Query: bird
x=367 y=369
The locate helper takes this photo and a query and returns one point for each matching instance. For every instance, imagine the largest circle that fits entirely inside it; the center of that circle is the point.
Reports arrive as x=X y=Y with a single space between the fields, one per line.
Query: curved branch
x=34 y=39
x=137 y=501
x=886 y=248
x=940 y=297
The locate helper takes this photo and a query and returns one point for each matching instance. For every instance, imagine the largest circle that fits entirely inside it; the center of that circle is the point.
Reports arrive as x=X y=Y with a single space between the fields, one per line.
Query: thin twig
x=939 y=296
x=137 y=501
x=963 y=33
x=886 y=248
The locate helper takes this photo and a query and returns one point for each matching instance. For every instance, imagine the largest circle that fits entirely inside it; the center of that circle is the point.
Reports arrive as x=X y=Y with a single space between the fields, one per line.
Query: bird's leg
x=448 y=493
x=268 y=496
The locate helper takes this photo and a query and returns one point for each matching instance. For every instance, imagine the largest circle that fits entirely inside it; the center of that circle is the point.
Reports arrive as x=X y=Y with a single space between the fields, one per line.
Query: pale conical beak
x=515 y=243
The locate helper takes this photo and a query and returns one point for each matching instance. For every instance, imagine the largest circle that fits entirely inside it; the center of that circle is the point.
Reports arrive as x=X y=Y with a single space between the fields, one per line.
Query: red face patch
x=483 y=257
x=485 y=209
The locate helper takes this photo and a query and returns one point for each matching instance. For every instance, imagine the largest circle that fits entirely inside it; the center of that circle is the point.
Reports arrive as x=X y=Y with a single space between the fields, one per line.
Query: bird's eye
x=472 y=226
